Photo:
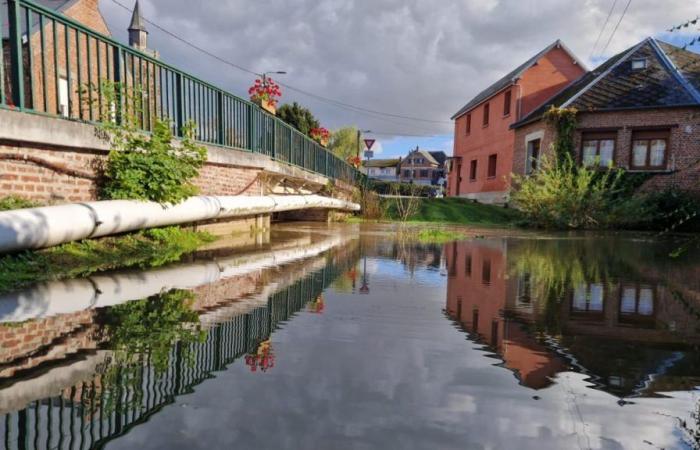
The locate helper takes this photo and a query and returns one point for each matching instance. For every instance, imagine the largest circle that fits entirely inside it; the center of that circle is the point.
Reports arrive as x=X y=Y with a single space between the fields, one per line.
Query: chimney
x=138 y=36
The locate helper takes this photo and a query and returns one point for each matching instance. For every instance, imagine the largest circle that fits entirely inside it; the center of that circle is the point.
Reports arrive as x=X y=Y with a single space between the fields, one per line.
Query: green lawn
x=464 y=212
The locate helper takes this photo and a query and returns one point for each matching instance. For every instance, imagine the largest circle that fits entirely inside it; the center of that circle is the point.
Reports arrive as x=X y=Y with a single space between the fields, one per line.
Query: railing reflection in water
x=91 y=413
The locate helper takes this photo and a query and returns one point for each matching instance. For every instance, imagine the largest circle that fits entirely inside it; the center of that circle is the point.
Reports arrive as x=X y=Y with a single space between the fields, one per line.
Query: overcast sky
x=418 y=58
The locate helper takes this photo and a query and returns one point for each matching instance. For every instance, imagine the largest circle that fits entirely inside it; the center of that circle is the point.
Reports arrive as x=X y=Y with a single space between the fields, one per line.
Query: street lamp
x=359 y=135
x=271 y=72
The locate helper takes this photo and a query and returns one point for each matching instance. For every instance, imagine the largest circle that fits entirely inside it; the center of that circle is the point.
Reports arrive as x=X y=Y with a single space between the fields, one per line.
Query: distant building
x=382 y=169
x=423 y=167
x=484 y=139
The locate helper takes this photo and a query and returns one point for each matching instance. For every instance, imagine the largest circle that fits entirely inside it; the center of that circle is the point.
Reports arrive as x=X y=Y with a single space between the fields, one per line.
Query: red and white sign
x=369 y=143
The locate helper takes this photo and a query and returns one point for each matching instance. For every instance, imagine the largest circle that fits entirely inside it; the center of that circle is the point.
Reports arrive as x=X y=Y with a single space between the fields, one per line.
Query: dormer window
x=639 y=64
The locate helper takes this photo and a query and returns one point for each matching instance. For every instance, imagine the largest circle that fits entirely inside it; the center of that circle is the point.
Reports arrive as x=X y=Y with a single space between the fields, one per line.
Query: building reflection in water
x=544 y=310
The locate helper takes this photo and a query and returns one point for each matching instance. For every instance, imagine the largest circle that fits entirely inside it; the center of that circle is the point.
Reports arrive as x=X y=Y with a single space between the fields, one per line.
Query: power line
x=336 y=103
x=616 y=25
x=607 y=19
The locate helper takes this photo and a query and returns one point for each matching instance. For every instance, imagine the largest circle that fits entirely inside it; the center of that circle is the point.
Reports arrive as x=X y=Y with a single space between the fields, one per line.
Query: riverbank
x=150 y=248
x=452 y=211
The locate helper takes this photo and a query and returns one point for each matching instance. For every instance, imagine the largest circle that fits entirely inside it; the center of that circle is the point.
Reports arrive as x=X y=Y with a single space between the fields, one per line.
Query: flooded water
x=343 y=337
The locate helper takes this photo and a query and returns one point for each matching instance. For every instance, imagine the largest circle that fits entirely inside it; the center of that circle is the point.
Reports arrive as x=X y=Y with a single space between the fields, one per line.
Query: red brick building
x=640 y=111
x=484 y=139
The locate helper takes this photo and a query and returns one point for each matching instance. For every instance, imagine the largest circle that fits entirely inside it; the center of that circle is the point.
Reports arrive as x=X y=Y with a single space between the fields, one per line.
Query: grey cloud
x=411 y=57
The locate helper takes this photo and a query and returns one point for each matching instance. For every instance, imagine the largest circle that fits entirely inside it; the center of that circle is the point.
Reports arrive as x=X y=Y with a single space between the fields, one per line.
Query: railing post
x=179 y=105
x=220 y=115
x=16 y=59
x=250 y=128
x=274 y=139
x=117 y=57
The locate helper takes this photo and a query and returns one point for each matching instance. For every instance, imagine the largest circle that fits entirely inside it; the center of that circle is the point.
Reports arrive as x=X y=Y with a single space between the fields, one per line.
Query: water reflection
x=604 y=307
x=551 y=342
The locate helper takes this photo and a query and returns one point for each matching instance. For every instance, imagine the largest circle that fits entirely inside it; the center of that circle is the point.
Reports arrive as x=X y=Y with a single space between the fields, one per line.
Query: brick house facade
x=59 y=86
x=639 y=111
x=484 y=139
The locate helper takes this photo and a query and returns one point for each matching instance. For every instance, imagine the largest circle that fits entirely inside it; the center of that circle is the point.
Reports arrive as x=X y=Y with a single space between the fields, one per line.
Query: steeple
x=138 y=35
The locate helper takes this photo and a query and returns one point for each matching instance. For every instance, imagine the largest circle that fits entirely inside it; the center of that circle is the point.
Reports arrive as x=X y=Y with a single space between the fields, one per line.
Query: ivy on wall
x=564 y=122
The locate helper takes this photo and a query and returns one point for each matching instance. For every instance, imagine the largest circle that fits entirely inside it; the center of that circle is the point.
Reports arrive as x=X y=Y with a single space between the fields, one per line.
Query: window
x=472 y=170
x=637 y=305
x=588 y=299
x=468 y=265
x=424 y=173
x=486 y=115
x=649 y=149
x=533 y=156
x=493 y=160
x=598 y=149
x=506 y=103
x=486 y=272
x=468 y=127
x=63 y=96
x=639 y=64
x=494 y=333
x=407 y=173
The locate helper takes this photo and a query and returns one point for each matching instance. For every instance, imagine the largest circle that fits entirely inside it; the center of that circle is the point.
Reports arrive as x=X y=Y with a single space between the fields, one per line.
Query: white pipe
x=68 y=296
x=52 y=225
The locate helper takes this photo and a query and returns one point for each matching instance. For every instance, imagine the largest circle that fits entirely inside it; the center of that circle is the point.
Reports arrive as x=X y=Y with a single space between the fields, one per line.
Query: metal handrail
x=53 y=57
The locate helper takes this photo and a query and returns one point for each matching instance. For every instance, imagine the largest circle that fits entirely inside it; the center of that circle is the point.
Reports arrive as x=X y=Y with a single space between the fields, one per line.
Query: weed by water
x=150 y=248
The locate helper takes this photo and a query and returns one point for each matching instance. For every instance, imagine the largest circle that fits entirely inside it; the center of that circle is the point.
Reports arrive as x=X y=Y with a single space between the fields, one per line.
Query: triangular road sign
x=369 y=143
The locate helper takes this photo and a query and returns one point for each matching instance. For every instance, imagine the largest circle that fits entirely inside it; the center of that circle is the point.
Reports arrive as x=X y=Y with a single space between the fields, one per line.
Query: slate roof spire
x=136 y=19
x=138 y=35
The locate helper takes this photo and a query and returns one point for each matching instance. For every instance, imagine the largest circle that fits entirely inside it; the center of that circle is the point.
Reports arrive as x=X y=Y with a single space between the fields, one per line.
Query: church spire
x=138 y=35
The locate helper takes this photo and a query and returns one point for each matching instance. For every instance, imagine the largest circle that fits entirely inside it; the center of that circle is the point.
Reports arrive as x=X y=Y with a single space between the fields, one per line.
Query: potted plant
x=354 y=161
x=265 y=92
x=320 y=135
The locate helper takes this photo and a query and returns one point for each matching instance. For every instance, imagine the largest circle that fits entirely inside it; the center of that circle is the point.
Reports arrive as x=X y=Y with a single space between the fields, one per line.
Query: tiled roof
x=439 y=156
x=509 y=78
x=671 y=78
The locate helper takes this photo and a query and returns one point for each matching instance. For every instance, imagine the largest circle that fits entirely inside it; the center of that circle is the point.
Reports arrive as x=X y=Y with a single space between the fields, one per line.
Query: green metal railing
x=53 y=58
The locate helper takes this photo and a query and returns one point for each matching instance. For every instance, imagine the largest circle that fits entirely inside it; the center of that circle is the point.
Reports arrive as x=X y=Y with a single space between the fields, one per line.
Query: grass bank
x=149 y=248
x=460 y=211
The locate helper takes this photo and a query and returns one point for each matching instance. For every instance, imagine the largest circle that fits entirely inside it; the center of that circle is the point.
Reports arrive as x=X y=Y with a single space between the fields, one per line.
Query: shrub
x=13 y=202
x=146 y=167
x=140 y=168
x=388 y=188
x=563 y=195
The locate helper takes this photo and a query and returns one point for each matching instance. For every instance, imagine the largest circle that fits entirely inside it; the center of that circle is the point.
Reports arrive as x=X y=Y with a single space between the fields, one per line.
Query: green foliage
x=564 y=196
x=343 y=143
x=13 y=202
x=143 y=167
x=389 y=188
x=459 y=211
x=439 y=236
x=298 y=116
x=152 y=326
x=564 y=122
x=150 y=248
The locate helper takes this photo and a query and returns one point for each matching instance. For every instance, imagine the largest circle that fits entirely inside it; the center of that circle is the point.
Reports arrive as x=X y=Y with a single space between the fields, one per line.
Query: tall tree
x=344 y=142
x=298 y=116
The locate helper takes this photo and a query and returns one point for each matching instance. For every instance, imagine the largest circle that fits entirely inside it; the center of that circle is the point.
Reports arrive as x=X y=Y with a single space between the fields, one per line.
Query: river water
x=347 y=337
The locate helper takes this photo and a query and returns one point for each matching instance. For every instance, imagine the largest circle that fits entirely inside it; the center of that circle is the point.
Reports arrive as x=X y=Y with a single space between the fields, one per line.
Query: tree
x=343 y=142
x=298 y=116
